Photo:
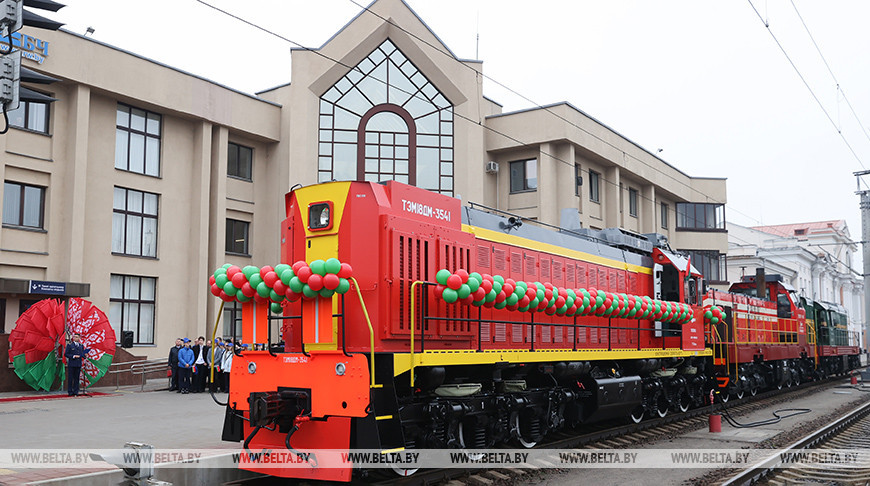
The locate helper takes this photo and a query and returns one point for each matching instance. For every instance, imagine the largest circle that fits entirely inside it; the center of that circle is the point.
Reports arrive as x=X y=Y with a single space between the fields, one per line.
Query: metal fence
x=133 y=368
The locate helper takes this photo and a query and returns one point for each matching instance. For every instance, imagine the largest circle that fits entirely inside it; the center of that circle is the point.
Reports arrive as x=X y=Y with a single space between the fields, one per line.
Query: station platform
x=107 y=419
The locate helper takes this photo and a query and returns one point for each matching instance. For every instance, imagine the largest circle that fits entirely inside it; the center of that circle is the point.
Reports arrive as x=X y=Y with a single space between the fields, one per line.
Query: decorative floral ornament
x=505 y=293
x=283 y=282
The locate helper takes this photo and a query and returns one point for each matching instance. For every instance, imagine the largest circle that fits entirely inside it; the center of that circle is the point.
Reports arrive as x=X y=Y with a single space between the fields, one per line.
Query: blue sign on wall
x=47 y=288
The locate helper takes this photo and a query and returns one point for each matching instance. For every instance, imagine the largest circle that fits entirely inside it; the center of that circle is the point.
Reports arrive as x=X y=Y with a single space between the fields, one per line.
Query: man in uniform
x=74 y=353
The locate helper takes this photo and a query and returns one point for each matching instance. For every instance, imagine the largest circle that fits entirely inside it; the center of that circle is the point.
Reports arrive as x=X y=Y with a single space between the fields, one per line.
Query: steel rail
x=770 y=464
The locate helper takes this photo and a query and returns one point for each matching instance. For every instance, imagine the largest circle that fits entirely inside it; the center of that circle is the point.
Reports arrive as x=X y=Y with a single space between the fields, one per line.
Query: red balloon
x=260 y=300
x=500 y=297
x=599 y=311
x=563 y=293
x=290 y=294
x=304 y=273
x=264 y=271
x=279 y=287
x=346 y=271
x=232 y=270
x=439 y=289
x=270 y=278
x=560 y=302
x=226 y=298
x=607 y=303
x=454 y=281
x=247 y=290
x=479 y=294
x=463 y=275
x=215 y=290
x=486 y=277
x=315 y=282
x=211 y=280
x=468 y=299
x=331 y=281
x=572 y=310
x=542 y=305
x=524 y=301
x=296 y=266
x=486 y=285
x=238 y=280
x=489 y=305
x=550 y=311
x=508 y=288
x=512 y=307
x=511 y=282
x=530 y=293
x=548 y=294
x=533 y=287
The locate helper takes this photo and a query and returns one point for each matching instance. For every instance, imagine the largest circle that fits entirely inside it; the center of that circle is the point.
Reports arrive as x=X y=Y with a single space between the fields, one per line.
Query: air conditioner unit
x=492 y=167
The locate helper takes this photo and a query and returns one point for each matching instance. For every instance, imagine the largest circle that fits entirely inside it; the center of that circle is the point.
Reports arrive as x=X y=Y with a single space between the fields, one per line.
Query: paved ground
x=822 y=403
x=163 y=419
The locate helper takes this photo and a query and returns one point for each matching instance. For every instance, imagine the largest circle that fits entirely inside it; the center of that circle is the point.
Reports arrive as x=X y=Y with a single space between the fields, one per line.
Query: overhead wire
x=809 y=88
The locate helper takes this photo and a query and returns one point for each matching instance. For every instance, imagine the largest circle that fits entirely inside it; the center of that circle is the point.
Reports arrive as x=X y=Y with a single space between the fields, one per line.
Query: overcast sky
x=703 y=81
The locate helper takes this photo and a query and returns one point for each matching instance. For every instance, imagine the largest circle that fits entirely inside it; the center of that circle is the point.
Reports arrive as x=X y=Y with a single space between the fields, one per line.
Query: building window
x=578 y=179
x=134 y=223
x=384 y=120
x=593 y=186
x=700 y=216
x=31 y=115
x=23 y=205
x=25 y=304
x=710 y=263
x=240 y=161
x=137 y=141
x=665 y=216
x=3 y=316
x=524 y=175
x=232 y=320
x=132 y=306
x=632 y=202
x=237 y=236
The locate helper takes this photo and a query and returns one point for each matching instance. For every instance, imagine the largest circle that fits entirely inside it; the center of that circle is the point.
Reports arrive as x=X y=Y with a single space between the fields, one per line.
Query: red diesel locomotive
x=411 y=321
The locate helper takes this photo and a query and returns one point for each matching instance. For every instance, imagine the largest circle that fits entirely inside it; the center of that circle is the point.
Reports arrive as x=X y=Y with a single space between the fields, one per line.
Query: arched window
x=383 y=121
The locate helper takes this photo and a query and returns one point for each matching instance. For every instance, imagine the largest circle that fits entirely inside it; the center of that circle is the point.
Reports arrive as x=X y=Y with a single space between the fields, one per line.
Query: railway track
x=608 y=435
x=826 y=456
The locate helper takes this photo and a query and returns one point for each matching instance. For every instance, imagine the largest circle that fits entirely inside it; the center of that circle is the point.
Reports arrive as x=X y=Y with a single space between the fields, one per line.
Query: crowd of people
x=190 y=364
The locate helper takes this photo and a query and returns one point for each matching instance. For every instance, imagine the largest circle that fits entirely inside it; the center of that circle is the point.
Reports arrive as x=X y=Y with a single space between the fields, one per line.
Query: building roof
x=803 y=229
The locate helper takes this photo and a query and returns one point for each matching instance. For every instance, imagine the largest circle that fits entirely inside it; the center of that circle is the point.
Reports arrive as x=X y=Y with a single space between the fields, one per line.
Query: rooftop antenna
x=477 y=37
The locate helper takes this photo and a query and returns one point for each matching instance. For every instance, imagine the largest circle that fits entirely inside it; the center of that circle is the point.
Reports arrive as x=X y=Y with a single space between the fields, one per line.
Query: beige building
x=141 y=179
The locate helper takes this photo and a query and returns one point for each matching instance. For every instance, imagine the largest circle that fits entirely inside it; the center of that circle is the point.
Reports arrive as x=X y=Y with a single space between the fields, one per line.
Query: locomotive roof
x=566 y=239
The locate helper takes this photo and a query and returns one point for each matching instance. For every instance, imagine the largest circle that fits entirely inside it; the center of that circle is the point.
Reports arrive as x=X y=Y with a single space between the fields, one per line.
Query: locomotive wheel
x=637 y=414
x=684 y=401
x=402 y=471
x=662 y=405
x=753 y=391
x=523 y=442
x=474 y=456
x=724 y=397
x=779 y=386
x=739 y=394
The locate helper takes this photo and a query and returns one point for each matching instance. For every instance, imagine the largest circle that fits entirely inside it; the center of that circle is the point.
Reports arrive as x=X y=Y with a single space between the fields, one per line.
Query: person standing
x=215 y=364
x=185 y=364
x=74 y=353
x=173 y=365
x=200 y=351
x=226 y=364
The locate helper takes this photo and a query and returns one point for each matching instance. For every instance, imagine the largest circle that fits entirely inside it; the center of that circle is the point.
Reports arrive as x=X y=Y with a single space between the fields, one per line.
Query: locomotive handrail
x=413 y=325
x=371 y=330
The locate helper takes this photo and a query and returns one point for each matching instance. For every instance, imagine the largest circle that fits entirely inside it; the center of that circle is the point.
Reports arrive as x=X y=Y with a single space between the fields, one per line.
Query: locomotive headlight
x=320 y=216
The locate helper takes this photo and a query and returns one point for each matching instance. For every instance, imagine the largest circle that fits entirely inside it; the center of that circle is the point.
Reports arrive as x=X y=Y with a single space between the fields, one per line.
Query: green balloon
x=326 y=293
x=307 y=292
x=499 y=279
x=276 y=308
x=275 y=296
x=496 y=286
x=226 y=265
x=491 y=296
x=464 y=291
x=318 y=267
x=449 y=295
x=343 y=286
x=263 y=290
x=279 y=268
x=219 y=272
x=296 y=285
x=230 y=289
x=332 y=265
x=501 y=305
x=286 y=276
x=523 y=285
x=708 y=315
x=255 y=280
x=442 y=276
x=241 y=297
x=512 y=299
x=221 y=279
x=473 y=284
x=540 y=295
x=523 y=309
x=475 y=276
x=250 y=270
x=533 y=304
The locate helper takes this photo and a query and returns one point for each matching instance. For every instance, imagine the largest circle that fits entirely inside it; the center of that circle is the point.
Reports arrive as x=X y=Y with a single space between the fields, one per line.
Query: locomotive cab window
x=320 y=216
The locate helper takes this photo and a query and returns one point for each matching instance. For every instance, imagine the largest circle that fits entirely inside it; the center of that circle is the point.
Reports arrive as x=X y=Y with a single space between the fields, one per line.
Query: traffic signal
x=12 y=17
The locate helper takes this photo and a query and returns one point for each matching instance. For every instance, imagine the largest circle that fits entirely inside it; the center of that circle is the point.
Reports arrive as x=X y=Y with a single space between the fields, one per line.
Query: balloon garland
x=282 y=283
x=505 y=293
x=712 y=314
